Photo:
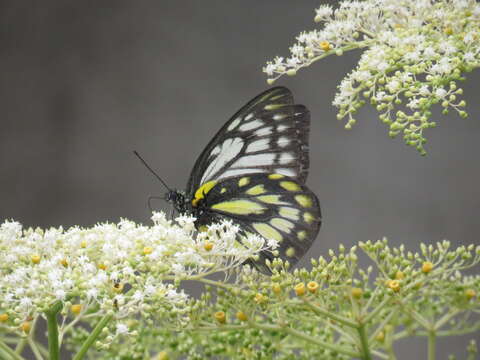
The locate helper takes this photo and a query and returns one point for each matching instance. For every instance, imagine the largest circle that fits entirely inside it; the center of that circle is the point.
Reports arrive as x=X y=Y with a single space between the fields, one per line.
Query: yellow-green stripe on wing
x=272 y=205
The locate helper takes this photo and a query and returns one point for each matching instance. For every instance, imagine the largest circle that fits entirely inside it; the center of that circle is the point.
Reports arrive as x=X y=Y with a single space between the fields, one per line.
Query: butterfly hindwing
x=272 y=205
x=268 y=135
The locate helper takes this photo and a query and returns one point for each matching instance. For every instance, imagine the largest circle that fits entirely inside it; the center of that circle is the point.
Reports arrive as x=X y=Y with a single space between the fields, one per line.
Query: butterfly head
x=177 y=199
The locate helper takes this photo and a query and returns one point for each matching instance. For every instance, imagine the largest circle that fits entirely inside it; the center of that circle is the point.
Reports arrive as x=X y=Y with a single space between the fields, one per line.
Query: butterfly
x=253 y=173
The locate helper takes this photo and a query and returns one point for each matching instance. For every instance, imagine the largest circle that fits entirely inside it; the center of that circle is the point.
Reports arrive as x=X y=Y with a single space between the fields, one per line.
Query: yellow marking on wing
x=202 y=191
x=308 y=217
x=275 y=176
x=267 y=231
x=304 y=200
x=289 y=213
x=302 y=235
x=290 y=186
x=271 y=199
x=268 y=96
x=290 y=252
x=256 y=190
x=243 y=181
x=277 y=97
x=239 y=207
x=224 y=190
x=274 y=106
x=282 y=224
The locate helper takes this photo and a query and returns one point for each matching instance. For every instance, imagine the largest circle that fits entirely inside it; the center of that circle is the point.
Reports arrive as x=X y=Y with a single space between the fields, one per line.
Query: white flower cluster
x=415 y=51
x=124 y=267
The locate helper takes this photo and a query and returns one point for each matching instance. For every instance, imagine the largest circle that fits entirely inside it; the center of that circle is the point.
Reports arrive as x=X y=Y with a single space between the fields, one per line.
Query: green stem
x=220 y=328
x=306 y=337
x=43 y=350
x=35 y=350
x=92 y=337
x=214 y=283
x=4 y=355
x=52 y=328
x=382 y=325
x=10 y=340
x=380 y=355
x=342 y=320
x=364 y=342
x=21 y=345
x=431 y=345
x=8 y=353
x=375 y=312
x=389 y=339
x=446 y=318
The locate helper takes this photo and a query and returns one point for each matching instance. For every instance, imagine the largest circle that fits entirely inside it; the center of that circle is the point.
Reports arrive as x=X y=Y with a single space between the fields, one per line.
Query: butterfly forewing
x=268 y=135
x=272 y=205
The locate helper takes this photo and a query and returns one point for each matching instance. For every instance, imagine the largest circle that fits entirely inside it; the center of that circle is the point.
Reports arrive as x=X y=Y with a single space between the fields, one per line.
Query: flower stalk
x=432 y=339
x=92 y=337
x=52 y=328
x=364 y=342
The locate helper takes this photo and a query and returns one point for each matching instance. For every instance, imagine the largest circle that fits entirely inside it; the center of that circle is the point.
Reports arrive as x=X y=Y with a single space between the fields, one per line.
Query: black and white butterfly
x=253 y=172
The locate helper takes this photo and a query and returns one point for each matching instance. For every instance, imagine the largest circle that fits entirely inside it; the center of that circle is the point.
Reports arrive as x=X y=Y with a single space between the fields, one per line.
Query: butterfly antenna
x=151 y=170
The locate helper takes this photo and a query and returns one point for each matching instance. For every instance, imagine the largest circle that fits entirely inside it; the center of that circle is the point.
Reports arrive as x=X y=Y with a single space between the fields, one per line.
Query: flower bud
x=241 y=316
x=356 y=292
x=312 y=287
x=76 y=308
x=427 y=266
x=300 y=289
x=220 y=317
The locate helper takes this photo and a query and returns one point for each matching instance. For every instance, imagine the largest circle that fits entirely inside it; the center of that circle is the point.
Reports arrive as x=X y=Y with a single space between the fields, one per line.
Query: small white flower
x=440 y=92
x=429 y=52
x=413 y=103
x=297 y=50
x=278 y=60
x=178 y=268
x=469 y=56
x=269 y=69
x=60 y=294
x=382 y=66
x=380 y=95
x=92 y=293
x=176 y=297
x=122 y=329
x=19 y=291
x=449 y=49
x=150 y=289
x=293 y=61
x=361 y=75
x=424 y=90
x=393 y=86
x=26 y=302
x=159 y=218
x=413 y=56
x=323 y=12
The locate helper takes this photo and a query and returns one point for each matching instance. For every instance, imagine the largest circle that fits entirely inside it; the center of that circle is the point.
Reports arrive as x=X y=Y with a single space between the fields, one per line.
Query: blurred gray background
x=86 y=82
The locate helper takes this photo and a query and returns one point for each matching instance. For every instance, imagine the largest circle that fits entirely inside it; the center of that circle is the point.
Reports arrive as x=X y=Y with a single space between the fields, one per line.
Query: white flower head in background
x=409 y=46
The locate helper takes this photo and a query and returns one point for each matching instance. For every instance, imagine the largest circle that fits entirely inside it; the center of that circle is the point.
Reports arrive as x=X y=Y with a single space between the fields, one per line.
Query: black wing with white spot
x=272 y=205
x=268 y=135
